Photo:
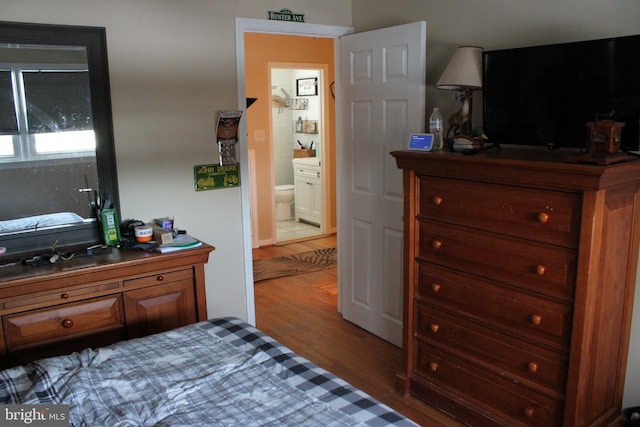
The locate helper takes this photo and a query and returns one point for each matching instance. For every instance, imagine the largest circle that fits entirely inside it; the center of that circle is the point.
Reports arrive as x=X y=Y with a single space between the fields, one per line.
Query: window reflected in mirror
x=48 y=142
x=57 y=155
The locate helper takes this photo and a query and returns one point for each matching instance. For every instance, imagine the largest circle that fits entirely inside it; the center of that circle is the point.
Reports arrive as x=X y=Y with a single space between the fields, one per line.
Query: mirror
x=57 y=153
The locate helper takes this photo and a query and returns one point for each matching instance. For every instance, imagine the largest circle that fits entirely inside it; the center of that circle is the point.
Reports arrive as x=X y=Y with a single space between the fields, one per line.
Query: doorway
x=298 y=129
x=386 y=69
x=247 y=27
x=294 y=109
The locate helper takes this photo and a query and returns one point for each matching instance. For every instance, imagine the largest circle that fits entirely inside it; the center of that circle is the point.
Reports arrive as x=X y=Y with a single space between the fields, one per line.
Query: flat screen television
x=545 y=95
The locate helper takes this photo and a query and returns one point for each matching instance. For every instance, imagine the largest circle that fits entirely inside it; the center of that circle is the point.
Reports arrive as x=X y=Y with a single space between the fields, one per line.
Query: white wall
x=285 y=140
x=173 y=68
x=497 y=24
x=282 y=128
x=313 y=112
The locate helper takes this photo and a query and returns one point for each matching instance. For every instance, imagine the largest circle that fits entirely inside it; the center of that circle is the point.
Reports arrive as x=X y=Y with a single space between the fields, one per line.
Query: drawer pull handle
x=67 y=323
x=64 y=296
x=160 y=278
x=540 y=270
x=437 y=244
x=543 y=217
x=532 y=366
x=437 y=200
x=435 y=287
x=433 y=366
x=529 y=412
x=536 y=319
x=434 y=327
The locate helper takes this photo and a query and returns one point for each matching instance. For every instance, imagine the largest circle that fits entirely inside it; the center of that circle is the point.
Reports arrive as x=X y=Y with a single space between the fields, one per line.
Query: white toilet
x=285 y=195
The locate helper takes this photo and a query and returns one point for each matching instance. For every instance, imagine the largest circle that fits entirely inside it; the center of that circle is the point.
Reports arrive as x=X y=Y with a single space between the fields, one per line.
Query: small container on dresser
x=519 y=272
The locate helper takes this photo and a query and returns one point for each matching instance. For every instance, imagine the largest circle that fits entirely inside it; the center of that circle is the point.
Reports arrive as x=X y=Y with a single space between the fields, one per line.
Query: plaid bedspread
x=221 y=372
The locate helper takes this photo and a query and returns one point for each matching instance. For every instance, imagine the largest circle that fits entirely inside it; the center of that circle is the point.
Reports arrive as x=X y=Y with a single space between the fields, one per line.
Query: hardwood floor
x=301 y=312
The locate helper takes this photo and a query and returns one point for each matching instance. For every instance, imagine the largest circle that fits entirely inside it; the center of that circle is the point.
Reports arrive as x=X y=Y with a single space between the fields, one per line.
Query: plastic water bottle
x=435 y=128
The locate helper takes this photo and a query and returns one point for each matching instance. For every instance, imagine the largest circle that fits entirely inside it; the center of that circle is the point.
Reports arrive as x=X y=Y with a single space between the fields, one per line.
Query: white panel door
x=383 y=102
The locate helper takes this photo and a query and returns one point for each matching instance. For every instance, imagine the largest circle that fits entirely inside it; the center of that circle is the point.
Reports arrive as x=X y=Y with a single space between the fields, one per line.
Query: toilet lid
x=285 y=187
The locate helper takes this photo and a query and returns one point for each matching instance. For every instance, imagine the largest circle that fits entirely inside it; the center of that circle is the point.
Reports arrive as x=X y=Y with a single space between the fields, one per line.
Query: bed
x=221 y=372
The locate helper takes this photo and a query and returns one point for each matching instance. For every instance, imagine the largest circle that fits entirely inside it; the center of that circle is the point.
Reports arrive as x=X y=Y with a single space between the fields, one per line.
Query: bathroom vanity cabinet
x=520 y=269
x=97 y=300
x=308 y=190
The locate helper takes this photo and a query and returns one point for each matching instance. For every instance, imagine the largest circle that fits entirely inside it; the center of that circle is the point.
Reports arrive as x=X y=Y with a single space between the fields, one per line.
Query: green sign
x=213 y=177
x=285 y=15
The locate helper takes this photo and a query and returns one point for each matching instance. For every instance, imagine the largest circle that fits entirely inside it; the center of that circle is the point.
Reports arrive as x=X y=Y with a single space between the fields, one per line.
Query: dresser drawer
x=516 y=359
x=159 y=308
x=61 y=296
x=159 y=278
x=503 y=308
x=38 y=327
x=511 y=403
x=530 y=265
x=546 y=216
x=68 y=346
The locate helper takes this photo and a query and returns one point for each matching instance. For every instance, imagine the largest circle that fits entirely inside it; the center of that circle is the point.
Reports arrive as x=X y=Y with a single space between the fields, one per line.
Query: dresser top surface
x=115 y=260
x=561 y=170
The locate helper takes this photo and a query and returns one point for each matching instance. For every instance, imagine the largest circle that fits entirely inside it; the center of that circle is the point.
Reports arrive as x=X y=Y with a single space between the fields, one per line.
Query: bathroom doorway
x=294 y=104
x=297 y=135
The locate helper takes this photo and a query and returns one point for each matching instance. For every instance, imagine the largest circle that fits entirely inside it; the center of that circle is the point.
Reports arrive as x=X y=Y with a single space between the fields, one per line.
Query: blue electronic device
x=421 y=141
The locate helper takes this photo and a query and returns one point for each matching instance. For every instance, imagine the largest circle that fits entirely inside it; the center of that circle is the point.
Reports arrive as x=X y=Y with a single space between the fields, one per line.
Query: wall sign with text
x=216 y=176
x=285 y=15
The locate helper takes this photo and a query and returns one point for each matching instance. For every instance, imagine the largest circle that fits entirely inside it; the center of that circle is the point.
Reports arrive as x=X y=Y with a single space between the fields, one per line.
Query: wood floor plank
x=301 y=312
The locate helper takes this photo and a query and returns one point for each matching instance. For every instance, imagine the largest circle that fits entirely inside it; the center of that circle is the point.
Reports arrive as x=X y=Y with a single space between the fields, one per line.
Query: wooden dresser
x=520 y=271
x=97 y=300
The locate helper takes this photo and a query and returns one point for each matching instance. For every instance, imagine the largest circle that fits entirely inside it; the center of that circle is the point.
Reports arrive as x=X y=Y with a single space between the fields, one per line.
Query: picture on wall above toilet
x=300 y=104
x=307 y=87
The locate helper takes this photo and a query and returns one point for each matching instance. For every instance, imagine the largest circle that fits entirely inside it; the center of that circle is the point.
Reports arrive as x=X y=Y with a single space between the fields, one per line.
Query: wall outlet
x=259 y=135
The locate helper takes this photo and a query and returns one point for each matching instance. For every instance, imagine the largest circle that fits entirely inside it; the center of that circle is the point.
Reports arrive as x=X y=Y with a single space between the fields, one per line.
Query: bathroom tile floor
x=292 y=230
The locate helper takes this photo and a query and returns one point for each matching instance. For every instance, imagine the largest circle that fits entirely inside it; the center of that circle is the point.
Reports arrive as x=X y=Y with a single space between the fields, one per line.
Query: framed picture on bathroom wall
x=300 y=104
x=307 y=87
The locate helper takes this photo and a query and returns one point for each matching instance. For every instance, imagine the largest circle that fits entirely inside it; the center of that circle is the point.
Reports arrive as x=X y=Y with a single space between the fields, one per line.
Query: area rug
x=290 y=265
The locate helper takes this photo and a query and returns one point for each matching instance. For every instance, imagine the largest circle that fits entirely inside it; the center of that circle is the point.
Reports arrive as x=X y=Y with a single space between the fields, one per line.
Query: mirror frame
x=95 y=41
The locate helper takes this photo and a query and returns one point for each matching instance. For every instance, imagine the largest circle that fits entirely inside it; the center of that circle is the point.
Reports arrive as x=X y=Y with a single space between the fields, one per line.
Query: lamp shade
x=464 y=70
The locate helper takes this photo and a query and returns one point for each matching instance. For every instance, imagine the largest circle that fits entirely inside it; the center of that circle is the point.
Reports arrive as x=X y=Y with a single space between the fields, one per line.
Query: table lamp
x=464 y=74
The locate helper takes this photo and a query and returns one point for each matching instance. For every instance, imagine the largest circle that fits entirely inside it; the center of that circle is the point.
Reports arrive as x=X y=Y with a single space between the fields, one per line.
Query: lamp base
x=460 y=122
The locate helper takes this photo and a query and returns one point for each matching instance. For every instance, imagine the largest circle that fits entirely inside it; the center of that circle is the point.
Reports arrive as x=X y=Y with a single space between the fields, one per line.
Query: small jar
x=143 y=233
